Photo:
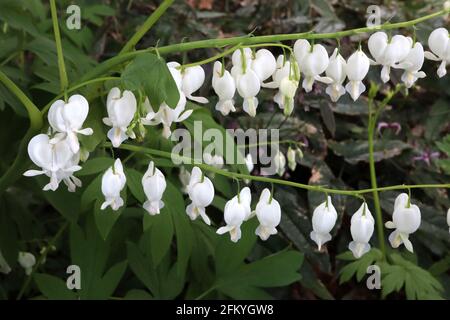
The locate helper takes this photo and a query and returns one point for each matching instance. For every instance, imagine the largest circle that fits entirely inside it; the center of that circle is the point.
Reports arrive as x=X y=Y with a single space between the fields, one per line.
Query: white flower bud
x=362 y=226
x=323 y=220
x=201 y=192
x=291 y=159
x=113 y=182
x=27 y=261
x=268 y=212
x=154 y=184
x=235 y=213
x=336 y=72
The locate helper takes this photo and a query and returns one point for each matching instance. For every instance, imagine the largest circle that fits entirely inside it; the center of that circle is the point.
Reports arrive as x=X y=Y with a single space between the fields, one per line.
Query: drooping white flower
x=224 y=87
x=283 y=69
x=166 y=115
x=57 y=161
x=4 y=266
x=439 y=43
x=241 y=59
x=174 y=68
x=323 y=220
x=285 y=96
x=235 y=213
x=405 y=220
x=268 y=212
x=389 y=52
x=184 y=177
x=280 y=163
x=154 y=184
x=201 y=192
x=336 y=72
x=213 y=160
x=264 y=64
x=121 y=108
x=248 y=86
x=27 y=261
x=356 y=69
x=362 y=226
x=68 y=118
x=113 y=182
x=448 y=219
x=192 y=80
x=249 y=162
x=292 y=164
x=313 y=61
x=414 y=62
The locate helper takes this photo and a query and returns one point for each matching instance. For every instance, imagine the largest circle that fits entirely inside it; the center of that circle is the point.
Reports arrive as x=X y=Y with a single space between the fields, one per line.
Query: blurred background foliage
x=170 y=257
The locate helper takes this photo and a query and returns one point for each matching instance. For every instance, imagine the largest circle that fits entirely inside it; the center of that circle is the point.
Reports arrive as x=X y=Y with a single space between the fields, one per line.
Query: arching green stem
x=61 y=66
x=234 y=175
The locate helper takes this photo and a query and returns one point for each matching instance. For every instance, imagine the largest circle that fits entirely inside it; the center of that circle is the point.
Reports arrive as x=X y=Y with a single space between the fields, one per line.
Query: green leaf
x=359 y=266
x=95 y=165
x=53 y=288
x=66 y=203
x=149 y=72
x=230 y=255
x=355 y=151
x=134 y=182
x=162 y=231
x=105 y=219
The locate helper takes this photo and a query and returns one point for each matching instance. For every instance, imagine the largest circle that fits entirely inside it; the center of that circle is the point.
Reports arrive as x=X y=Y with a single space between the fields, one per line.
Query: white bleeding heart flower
x=4 y=266
x=57 y=161
x=184 y=177
x=286 y=94
x=249 y=162
x=414 y=60
x=154 y=184
x=362 y=226
x=336 y=72
x=241 y=58
x=121 y=108
x=174 y=68
x=439 y=43
x=356 y=69
x=268 y=212
x=201 y=192
x=323 y=220
x=235 y=213
x=264 y=64
x=282 y=71
x=192 y=80
x=225 y=88
x=405 y=220
x=279 y=163
x=448 y=219
x=292 y=164
x=113 y=182
x=248 y=86
x=166 y=115
x=27 y=261
x=313 y=61
x=213 y=160
x=389 y=52
x=68 y=118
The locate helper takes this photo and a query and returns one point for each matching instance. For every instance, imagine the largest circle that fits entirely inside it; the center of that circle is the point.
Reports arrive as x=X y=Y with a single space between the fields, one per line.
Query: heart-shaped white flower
x=121 y=108
x=68 y=118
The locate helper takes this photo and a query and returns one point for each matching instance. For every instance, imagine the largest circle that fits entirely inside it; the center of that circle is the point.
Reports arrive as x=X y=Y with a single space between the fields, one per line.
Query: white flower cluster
x=237 y=210
x=58 y=152
x=26 y=260
x=405 y=220
x=250 y=69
